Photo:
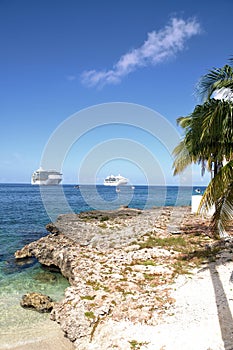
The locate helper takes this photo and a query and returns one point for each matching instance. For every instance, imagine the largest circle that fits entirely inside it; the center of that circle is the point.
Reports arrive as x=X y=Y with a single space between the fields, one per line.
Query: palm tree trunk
x=216 y=167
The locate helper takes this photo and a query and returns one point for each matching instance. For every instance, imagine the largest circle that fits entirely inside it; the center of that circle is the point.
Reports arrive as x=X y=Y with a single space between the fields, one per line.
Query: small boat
x=46 y=177
x=76 y=186
x=197 y=190
x=113 y=180
x=118 y=190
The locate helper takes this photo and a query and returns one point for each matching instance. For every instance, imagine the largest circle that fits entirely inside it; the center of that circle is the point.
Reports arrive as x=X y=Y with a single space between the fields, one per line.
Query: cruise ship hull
x=48 y=182
x=46 y=177
x=115 y=181
x=118 y=183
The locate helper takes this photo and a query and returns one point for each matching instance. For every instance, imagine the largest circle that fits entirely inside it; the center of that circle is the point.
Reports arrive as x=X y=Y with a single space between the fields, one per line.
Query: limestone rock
x=23 y=253
x=37 y=301
x=50 y=227
x=113 y=276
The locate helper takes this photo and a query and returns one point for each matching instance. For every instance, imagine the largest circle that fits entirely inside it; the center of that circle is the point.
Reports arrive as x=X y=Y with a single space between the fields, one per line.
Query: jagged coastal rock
x=118 y=273
x=37 y=301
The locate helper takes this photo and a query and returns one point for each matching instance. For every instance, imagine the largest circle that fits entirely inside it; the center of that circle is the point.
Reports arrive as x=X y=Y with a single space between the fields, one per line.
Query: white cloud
x=71 y=77
x=159 y=46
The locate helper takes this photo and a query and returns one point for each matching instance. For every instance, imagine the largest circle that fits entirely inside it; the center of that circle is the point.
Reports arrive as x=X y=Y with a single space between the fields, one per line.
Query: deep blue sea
x=24 y=212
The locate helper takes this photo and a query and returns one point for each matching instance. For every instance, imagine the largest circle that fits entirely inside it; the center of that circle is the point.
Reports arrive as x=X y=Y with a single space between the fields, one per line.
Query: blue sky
x=60 y=57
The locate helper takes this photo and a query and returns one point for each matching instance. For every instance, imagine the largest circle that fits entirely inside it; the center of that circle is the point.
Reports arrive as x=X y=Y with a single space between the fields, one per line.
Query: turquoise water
x=23 y=217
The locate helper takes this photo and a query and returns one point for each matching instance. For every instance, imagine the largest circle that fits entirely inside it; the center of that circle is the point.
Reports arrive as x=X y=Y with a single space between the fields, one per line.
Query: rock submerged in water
x=37 y=301
x=45 y=277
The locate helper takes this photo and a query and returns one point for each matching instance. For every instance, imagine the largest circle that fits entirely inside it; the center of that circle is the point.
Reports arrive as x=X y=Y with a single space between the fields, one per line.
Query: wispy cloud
x=158 y=47
x=70 y=77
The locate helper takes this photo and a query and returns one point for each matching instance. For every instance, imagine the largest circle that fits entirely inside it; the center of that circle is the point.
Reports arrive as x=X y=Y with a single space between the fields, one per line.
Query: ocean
x=24 y=212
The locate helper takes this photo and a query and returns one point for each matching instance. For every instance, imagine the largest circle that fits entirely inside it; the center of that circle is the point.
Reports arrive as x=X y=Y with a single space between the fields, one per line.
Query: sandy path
x=201 y=318
x=203 y=312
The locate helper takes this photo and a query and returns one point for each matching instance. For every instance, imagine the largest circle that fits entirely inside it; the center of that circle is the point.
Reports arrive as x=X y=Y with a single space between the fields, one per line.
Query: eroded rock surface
x=37 y=301
x=115 y=273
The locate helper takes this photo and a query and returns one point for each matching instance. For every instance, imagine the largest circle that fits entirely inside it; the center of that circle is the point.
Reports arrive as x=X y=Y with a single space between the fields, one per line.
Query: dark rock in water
x=15 y=266
x=10 y=268
x=51 y=268
x=45 y=277
x=26 y=262
x=37 y=301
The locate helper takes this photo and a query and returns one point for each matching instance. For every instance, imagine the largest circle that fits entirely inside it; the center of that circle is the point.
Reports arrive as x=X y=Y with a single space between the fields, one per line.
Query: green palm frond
x=182 y=158
x=219 y=194
x=184 y=122
x=231 y=61
x=214 y=80
x=223 y=213
x=208 y=136
x=208 y=140
x=217 y=127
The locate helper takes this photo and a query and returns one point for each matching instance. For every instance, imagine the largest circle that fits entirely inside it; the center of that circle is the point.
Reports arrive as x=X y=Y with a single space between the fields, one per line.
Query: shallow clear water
x=23 y=216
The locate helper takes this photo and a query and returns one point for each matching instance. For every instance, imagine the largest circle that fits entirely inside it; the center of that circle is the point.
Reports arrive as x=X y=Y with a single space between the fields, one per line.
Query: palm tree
x=216 y=79
x=220 y=194
x=208 y=140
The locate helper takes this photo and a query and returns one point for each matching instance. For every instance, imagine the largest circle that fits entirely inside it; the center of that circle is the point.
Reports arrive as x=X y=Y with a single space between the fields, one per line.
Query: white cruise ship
x=113 y=180
x=46 y=177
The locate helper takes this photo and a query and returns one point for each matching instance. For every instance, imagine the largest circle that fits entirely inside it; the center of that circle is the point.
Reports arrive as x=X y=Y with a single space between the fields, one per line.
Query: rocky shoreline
x=121 y=266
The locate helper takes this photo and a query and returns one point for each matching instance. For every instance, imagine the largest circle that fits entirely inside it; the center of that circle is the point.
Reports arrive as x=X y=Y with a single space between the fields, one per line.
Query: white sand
x=47 y=336
x=201 y=318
